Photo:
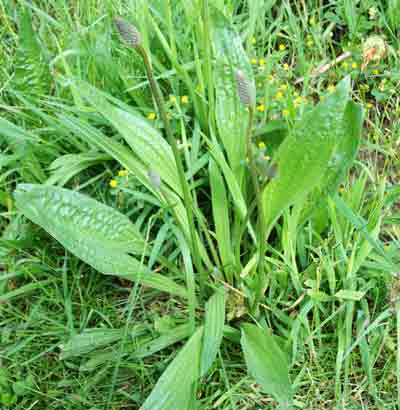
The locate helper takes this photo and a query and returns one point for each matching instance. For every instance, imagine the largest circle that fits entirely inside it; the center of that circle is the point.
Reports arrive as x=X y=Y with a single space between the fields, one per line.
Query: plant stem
x=261 y=219
x=181 y=172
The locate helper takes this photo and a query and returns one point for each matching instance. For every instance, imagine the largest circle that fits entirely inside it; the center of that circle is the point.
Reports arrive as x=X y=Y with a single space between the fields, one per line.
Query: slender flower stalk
x=132 y=38
x=246 y=96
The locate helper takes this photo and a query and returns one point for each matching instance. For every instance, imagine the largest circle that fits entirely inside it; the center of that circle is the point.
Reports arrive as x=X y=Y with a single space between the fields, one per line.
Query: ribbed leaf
x=304 y=156
x=267 y=363
x=342 y=160
x=95 y=233
x=220 y=209
x=67 y=166
x=145 y=141
x=174 y=389
x=32 y=74
x=89 y=340
x=213 y=330
x=231 y=115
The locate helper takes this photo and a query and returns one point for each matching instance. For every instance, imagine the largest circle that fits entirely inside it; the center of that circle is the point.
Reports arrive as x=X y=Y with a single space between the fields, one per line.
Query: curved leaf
x=304 y=156
x=267 y=362
x=342 y=160
x=213 y=330
x=145 y=141
x=231 y=115
x=95 y=233
x=174 y=389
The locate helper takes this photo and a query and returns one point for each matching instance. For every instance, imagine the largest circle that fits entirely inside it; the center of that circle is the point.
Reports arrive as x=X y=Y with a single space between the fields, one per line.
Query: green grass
x=328 y=290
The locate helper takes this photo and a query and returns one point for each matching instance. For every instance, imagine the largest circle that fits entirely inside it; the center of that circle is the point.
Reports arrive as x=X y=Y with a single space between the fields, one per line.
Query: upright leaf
x=220 y=209
x=32 y=74
x=231 y=115
x=213 y=330
x=341 y=162
x=304 y=156
x=267 y=363
x=95 y=233
x=174 y=389
x=145 y=141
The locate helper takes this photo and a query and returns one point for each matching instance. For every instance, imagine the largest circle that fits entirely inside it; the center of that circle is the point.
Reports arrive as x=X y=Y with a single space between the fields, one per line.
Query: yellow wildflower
x=298 y=100
x=354 y=66
x=271 y=78
x=345 y=65
x=369 y=105
x=184 y=99
x=261 y=107
x=310 y=43
x=285 y=113
x=375 y=72
x=286 y=67
x=282 y=47
x=253 y=40
x=172 y=98
x=331 y=88
x=113 y=183
x=253 y=61
x=261 y=145
x=279 y=95
x=312 y=21
x=152 y=116
x=283 y=87
x=261 y=62
x=122 y=173
x=341 y=189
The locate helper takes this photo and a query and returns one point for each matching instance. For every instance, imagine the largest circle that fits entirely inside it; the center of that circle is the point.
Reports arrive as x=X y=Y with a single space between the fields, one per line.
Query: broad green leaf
x=128 y=160
x=32 y=74
x=174 y=389
x=95 y=233
x=267 y=362
x=340 y=164
x=231 y=115
x=89 y=340
x=213 y=330
x=220 y=210
x=145 y=141
x=303 y=157
x=141 y=348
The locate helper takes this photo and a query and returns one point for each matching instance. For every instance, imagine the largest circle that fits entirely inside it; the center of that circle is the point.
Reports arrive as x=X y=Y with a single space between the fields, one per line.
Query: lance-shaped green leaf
x=231 y=114
x=304 y=156
x=342 y=159
x=95 y=233
x=220 y=209
x=267 y=363
x=174 y=389
x=213 y=330
x=145 y=141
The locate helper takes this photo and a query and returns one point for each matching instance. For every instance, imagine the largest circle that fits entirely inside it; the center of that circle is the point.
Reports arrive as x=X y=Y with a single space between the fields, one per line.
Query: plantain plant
x=227 y=264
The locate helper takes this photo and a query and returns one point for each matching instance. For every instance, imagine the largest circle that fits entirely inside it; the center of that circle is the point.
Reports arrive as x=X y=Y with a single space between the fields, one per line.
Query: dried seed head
x=128 y=32
x=245 y=89
x=374 y=49
x=154 y=178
